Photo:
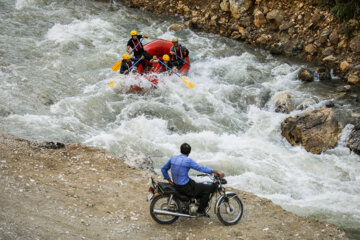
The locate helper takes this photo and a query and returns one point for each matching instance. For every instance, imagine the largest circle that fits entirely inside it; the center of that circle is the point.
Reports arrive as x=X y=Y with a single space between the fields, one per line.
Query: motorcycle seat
x=167 y=188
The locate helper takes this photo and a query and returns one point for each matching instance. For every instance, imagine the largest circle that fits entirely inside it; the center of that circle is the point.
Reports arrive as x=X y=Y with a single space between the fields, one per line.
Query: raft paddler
x=125 y=64
x=178 y=53
x=134 y=45
x=167 y=62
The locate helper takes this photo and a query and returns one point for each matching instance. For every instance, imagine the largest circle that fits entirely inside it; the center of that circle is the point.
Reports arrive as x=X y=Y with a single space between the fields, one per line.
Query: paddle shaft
x=182 y=59
x=137 y=45
x=168 y=68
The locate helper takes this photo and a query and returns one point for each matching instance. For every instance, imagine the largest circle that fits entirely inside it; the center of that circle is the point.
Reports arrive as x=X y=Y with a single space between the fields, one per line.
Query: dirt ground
x=80 y=192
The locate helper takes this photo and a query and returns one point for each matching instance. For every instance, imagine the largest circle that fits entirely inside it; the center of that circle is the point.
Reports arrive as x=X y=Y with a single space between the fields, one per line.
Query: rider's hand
x=221 y=175
x=171 y=182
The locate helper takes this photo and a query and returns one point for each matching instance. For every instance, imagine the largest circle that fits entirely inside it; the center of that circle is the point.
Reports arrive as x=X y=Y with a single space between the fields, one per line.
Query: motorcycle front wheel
x=230 y=210
x=161 y=202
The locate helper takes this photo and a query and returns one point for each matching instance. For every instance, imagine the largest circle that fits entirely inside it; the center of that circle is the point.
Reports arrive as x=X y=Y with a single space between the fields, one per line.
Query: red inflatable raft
x=157 y=48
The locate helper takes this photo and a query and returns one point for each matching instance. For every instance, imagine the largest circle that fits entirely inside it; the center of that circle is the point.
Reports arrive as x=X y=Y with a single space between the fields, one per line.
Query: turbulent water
x=55 y=66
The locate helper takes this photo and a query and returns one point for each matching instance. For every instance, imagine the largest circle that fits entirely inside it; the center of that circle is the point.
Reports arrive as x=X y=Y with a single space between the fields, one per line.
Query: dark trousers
x=147 y=56
x=198 y=190
x=178 y=63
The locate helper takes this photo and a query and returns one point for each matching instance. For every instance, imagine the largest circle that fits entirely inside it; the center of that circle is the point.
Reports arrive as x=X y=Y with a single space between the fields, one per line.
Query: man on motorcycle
x=180 y=166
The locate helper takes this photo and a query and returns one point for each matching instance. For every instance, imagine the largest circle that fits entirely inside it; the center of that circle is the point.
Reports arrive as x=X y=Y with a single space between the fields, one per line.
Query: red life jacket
x=139 y=47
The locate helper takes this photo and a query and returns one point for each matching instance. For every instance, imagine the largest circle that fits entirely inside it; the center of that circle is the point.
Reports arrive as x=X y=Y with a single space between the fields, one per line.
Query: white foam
x=92 y=30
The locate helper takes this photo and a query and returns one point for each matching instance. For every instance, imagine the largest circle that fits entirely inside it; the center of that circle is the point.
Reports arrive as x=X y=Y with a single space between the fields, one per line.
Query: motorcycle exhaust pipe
x=159 y=211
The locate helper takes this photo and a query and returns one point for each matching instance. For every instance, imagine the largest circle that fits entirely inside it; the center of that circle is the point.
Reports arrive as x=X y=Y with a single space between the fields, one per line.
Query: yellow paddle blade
x=111 y=84
x=187 y=82
x=116 y=66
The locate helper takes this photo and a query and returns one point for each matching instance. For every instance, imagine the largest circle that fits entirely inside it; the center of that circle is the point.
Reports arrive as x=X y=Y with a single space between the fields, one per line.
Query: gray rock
x=355 y=44
x=354 y=139
x=282 y=102
x=138 y=161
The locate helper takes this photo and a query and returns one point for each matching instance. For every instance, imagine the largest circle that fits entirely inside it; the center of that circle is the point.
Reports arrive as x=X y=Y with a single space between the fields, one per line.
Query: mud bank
x=51 y=191
x=299 y=29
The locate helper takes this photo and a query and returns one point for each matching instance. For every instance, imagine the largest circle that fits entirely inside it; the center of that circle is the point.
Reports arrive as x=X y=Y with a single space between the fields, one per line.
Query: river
x=55 y=66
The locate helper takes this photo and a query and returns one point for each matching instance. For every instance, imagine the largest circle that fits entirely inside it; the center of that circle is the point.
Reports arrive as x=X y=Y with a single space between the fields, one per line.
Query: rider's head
x=185 y=149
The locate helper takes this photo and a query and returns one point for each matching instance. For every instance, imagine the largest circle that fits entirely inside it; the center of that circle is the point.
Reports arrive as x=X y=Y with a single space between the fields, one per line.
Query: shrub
x=343 y=10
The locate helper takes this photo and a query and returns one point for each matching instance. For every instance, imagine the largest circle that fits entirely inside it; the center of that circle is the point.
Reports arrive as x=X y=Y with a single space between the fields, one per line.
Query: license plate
x=149 y=197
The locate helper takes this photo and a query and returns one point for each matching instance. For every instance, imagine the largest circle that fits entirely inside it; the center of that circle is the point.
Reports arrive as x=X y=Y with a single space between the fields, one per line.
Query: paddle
x=117 y=65
x=183 y=60
x=185 y=80
x=111 y=84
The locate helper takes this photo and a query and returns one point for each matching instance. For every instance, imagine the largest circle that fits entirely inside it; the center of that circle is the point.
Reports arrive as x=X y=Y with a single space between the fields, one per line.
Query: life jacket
x=139 y=47
x=178 y=52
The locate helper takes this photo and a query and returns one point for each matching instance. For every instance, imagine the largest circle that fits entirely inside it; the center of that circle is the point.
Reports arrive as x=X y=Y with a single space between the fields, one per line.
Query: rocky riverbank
x=301 y=29
x=53 y=191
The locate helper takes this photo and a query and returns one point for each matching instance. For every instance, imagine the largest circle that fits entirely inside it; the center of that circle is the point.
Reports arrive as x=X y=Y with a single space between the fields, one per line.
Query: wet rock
x=306 y=103
x=282 y=102
x=177 y=27
x=305 y=75
x=345 y=88
x=259 y=18
x=138 y=161
x=316 y=130
x=235 y=35
x=354 y=139
x=344 y=65
x=277 y=49
x=329 y=104
x=353 y=79
x=324 y=74
x=355 y=44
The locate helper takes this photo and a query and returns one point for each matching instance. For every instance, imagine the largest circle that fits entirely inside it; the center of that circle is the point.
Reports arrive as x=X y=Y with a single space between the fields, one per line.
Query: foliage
x=343 y=10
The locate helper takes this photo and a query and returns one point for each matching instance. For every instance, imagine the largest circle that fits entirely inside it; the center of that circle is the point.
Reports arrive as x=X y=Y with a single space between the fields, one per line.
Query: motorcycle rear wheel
x=230 y=210
x=161 y=202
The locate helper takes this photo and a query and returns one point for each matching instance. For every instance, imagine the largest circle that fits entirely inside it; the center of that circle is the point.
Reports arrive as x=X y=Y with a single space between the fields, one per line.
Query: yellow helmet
x=166 y=57
x=175 y=39
x=126 y=56
x=133 y=33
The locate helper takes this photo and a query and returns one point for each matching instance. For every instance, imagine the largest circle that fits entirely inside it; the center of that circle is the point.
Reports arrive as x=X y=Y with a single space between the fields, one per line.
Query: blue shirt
x=180 y=166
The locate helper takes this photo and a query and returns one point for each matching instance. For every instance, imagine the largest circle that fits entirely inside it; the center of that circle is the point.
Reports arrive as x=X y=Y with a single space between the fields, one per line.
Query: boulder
x=239 y=7
x=324 y=36
x=324 y=73
x=177 y=27
x=355 y=44
x=305 y=75
x=328 y=51
x=275 y=17
x=138 y=161
x=316 y=130
x=306 y=103
x=353 y=79
x=334 y=38
x=310 y=49
x=282 y=102
x=344 y=65
x=225 y=6
x=259 y=18
x=353 y=141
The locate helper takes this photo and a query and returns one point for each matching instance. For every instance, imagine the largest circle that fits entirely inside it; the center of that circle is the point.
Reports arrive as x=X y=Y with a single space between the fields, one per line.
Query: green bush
x=343 y=10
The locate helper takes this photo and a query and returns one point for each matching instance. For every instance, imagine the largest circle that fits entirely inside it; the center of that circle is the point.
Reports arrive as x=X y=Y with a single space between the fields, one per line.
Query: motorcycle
x=167 y=204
